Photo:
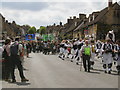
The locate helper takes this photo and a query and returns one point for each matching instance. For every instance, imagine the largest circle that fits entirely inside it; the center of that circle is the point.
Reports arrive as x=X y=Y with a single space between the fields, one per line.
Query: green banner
x=45 y=37
x=49 y=37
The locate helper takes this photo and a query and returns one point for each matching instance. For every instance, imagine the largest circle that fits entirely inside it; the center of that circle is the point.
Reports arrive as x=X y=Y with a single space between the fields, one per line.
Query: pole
x=81 y=64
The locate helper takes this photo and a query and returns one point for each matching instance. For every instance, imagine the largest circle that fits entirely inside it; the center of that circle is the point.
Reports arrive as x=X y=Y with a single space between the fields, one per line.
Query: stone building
x=54 y=30
x=11 y=30
x=71 y=25
x=99 y=23
x=6 y=29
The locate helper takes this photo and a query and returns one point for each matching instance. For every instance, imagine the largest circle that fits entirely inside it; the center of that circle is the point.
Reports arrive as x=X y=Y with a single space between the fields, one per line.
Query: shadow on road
x=25 y=69
x=29 y=57
x=22 y=83
x=114 y=71
x=98 y=70
x=94 y=72
x=114 y=74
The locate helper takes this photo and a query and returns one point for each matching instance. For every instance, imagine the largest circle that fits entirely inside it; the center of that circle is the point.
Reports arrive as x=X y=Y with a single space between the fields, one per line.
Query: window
x=117 y=13
x=75 y=23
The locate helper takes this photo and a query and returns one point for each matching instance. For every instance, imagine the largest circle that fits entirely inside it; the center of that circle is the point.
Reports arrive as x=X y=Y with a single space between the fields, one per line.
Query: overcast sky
x=43 y=12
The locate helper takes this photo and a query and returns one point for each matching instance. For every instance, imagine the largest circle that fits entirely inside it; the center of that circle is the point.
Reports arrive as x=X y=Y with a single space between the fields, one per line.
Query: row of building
x=95 y=26
x=8 y=29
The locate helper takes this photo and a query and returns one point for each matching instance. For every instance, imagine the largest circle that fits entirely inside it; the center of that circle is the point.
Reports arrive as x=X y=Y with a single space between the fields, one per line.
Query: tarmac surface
x=49 y=71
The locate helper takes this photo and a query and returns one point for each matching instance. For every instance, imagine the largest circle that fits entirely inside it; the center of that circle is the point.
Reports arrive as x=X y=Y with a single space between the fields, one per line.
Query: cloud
x=33 y=6
x=46 y=13
x=54 y=1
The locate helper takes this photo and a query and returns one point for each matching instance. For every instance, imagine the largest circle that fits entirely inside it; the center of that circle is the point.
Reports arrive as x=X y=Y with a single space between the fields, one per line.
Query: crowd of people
x=87 y=51
x=12 y=57
x=77 y=50
x=14 y=52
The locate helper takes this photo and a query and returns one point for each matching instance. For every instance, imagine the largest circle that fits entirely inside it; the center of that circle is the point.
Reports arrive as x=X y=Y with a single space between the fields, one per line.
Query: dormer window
x=75 y=23
x=89 y=19
x=116 y=14
x=93 y=17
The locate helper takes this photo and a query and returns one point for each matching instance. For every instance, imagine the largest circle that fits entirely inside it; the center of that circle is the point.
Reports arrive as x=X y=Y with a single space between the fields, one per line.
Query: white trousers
x=107 y=58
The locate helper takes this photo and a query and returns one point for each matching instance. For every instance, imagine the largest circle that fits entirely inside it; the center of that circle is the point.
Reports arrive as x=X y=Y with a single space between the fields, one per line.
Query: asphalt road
x=48 y=71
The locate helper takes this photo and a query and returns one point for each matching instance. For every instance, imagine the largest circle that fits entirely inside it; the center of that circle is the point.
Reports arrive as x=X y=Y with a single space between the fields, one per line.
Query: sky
x=43 y=12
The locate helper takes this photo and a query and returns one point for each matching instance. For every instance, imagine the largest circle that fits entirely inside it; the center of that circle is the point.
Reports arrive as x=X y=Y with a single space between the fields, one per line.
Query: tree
x=38 y=31
x=32 y=30
x=42 y=30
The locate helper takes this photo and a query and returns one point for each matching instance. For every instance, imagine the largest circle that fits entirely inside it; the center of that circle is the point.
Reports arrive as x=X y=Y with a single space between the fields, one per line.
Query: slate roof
x=98 y=17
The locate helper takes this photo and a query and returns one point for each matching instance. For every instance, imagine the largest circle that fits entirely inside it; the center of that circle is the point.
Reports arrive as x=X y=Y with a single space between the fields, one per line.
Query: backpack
x=4 y=54
x=87 y=51
x=14 y=49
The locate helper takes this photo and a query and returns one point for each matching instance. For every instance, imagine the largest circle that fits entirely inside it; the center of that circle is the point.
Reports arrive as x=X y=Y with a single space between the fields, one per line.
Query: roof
x=72 y=26
x=98 y=17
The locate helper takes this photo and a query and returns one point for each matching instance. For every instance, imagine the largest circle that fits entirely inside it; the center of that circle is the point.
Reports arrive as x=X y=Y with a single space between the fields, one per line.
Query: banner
x=47 y=37
x=30 y=37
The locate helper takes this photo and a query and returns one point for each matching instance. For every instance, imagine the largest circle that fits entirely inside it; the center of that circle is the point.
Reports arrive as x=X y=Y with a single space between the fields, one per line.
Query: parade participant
x=34 y=46
x=57 y=46
x=69 y=49
x=74 y=50
x=98 y=47
x=37 y=47
x=66 y=52
x=117 y=56
x=25 y=47
x=92 y=60
x=7 y=60
x=15 y=51
x=54 y=48
x=107 y=50
x=29 y=48
x=45 y=48
x=50 y=45
x=86 y=54
x=79 y=46
x=22 y=54
x=41 y=46
x=110 y=35
x=62 y=50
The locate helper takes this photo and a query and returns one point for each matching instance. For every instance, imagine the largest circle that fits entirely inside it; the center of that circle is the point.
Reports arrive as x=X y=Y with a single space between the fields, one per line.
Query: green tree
x=32 y=30
x=42 y=30
x=38 y=30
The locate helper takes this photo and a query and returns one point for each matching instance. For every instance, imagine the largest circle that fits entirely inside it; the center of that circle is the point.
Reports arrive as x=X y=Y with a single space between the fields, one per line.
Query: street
x=48 y=71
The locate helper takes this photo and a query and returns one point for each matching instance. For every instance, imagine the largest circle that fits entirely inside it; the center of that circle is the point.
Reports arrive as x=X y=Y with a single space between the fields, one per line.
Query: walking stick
x=81 y=65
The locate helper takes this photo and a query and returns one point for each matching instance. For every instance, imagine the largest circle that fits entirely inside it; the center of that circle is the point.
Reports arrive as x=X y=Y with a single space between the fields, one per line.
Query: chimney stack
x=82 y=16
x=74 y=17
x=60 y=23
x=109 y=3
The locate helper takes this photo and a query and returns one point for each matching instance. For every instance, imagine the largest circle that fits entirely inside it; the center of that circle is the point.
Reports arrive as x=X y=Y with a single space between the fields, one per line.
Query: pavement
x=49 y=71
